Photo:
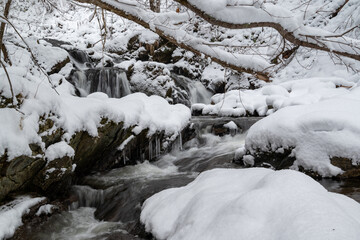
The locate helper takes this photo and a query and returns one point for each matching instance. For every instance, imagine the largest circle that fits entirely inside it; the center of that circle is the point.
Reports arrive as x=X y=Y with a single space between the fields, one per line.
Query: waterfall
x=197 y=92
x=112 y=81
x=87 y=197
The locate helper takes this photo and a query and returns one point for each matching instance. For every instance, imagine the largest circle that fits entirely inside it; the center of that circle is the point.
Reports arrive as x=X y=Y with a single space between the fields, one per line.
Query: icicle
x=180 y=141
x=150 y=150
x=157 y=142
x=142 y=157
x=124 y=156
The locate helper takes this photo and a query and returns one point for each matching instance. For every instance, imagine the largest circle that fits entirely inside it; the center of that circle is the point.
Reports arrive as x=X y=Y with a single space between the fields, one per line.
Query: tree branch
x=153 y=21
x=2 y=31
x=294 y=36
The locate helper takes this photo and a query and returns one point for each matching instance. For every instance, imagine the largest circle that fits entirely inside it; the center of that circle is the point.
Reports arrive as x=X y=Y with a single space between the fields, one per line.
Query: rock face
x=350 y=170
x=283 y=159
x=54 y=178
x=18 y=172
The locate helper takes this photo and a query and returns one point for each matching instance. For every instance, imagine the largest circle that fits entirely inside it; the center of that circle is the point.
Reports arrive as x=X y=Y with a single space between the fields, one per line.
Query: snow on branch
x=242 y=14
x=167 y=26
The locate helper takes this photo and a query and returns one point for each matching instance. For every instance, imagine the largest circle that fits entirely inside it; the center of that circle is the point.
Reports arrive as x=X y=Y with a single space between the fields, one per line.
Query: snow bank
x=317 y=132
x=251 y=204
x=11 y=213
x=72 y=114
x=273 y=97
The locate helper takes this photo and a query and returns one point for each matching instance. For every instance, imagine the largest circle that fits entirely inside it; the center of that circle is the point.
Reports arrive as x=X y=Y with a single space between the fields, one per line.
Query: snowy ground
x=251 y=204
x=313 y=107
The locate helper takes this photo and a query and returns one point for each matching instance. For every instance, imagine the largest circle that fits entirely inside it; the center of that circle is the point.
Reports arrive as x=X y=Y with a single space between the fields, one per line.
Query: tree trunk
x=2 y=32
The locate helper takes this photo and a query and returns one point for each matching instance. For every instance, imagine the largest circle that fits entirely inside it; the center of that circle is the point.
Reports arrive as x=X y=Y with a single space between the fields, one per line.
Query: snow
x=245 y=13
x=71 y=113
x=251 y=204
x=316 y=132
x=45 y=209
x=125 y=142
x=12 y=212
x=58 y=150
x=231 y=125
x=274 y=96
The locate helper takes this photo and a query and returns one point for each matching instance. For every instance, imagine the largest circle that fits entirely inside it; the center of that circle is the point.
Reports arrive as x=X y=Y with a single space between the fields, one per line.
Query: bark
x=339 y=9
x=2 y=31
x=155 y=5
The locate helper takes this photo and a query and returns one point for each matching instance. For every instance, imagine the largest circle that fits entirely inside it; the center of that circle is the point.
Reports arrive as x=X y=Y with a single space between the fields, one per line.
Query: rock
x=18 y=172
x=282 y=159
x=58 y=66
x=277 y=160
x=350 y=170
x=55 y=178
x=164 y=53
x=91 y=152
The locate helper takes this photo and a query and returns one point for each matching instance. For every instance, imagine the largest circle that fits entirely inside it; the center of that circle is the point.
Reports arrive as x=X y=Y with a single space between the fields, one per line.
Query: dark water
x=109 y=203
x=349 y=187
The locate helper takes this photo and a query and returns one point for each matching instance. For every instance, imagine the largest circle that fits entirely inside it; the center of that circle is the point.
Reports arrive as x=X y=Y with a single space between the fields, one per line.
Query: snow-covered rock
x=251 y=204
x=272 y=97
x=11 y=214
x=313 y=133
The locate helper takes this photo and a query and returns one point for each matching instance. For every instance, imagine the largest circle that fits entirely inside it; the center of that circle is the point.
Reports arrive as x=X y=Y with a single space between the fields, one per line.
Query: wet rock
x=95 y=152
x=124 y=202
x=55 y=178
x=18 y=172
x=58 y=66
x=281 y=159
x=32 y=221
x=164 y=53
x=350 y=170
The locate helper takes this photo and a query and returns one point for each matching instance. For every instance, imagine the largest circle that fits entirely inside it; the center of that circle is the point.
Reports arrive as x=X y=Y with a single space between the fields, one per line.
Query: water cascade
x=109 y=80
x=196 y=90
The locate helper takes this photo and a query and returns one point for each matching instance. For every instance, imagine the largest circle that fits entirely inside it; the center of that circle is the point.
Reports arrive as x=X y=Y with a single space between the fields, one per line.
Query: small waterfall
x=197 y=92
x=87 y=197
x=178 y=143
x=109 y=80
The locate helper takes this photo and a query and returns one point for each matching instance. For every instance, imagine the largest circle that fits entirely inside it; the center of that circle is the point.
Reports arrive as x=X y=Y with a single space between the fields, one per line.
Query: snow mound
x=251 y=204
x=11 y=213
x=317 y=132
x=74 y=114
x=272 y=97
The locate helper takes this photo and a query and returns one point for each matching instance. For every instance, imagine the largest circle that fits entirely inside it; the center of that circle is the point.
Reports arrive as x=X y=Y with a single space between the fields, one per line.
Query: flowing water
x=109 y=80
x=196 y=90
x=109 y=203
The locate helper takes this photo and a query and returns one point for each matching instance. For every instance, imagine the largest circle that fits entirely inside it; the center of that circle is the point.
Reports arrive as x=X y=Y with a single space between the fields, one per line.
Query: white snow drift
x=251 y=204
x=317 y=132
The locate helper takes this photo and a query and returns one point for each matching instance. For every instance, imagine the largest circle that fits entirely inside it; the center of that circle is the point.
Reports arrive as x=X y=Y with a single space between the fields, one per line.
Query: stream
x=109 y=203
